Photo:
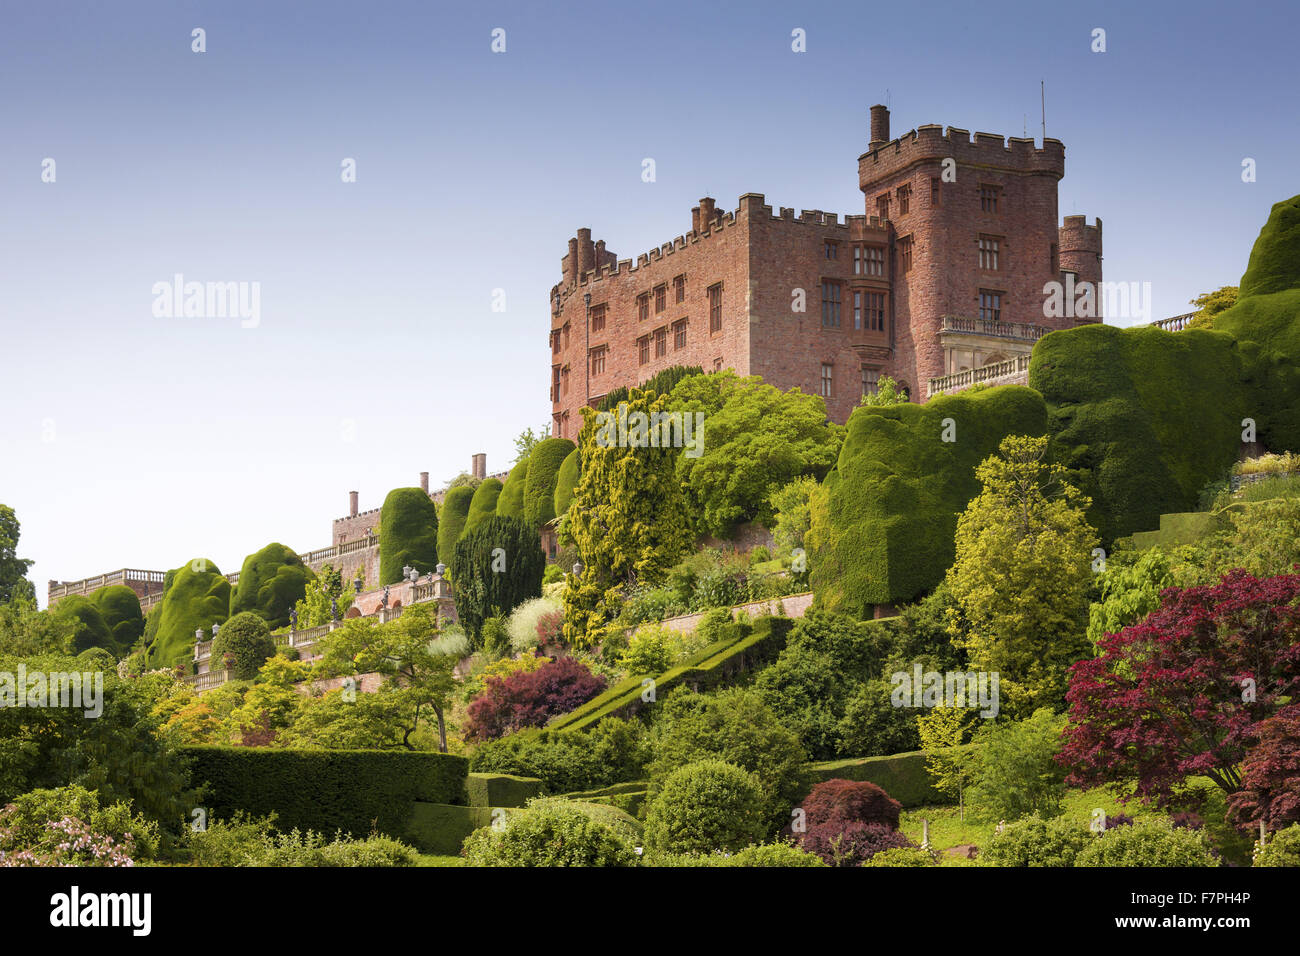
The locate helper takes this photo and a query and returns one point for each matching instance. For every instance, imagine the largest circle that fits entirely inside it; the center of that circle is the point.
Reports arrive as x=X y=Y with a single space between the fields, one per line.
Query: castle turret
x=1079 y=253
x=879 y=126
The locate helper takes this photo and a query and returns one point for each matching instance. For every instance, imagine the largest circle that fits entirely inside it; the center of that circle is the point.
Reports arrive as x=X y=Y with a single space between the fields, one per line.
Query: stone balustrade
x=1019 y=331
x=1175 y=323
x=1012 y=371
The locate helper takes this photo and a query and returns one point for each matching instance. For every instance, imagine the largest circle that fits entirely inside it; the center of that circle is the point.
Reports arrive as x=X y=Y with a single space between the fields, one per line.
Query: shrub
x=613 y=751
x=524 y=621
x=308 y=848
x=67 y=826
x=774 y=854
x=651 y=650
x=452 y=521
x=271 y=583
x=87 y=625
x=1017 y=772
x=247 y=637
x=566 y=482
x=734 y=725
x=499 y=565
x=552 y=575
x=1148 y=843
x=408 y=534
x=1282 y=850
x=496 y=637
x=549 y=834
x=120 y=607
x=852 y=844
x=840 y=802
x=901 y=856
x=510 y=503
x=483 y=505
x=705 y=806
x=529 y=699
x=543 y=474
x=1034 y=841
x=651 y=605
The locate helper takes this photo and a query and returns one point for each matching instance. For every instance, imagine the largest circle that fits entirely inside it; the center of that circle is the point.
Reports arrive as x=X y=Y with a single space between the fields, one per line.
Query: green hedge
x=902 y=776
x=408 y=534
x=511 y=502
x=719 y=663
x=89 y=629
x=501 y=789
x=1185 y=527
x=327 y=790
x=566 y=482
x=120 y=607
x=452 y=521
x=483 y=505
x=884 y=521
x=271 y=582
x=197 y=597
x=1142 y=418
x=629 y=797
x=441 y=828
x=543 y=472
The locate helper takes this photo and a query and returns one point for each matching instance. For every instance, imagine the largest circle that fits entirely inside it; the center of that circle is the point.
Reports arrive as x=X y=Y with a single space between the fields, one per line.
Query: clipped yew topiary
x=543 y=472
x=566 y=482
x=120 y=607
x=247 y=637
x=451 y=522
x=549 y=833
x=483 y=505
x=271 y=582
x=89 y=629
x=884 y=520
x=408 y=534
x=511 y=502
x=197 y=597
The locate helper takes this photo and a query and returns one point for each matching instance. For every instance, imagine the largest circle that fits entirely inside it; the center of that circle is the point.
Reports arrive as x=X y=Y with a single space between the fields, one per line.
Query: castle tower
x=1080 y=256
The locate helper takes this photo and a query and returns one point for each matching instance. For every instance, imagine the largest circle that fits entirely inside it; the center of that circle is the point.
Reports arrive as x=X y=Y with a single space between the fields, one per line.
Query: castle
x=938 y=285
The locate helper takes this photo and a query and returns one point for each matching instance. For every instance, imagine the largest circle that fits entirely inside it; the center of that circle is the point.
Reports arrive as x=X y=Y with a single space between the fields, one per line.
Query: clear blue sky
x=130 y=440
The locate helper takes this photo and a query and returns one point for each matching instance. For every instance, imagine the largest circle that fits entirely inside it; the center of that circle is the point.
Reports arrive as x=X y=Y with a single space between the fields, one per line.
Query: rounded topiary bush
x=88 y=627
x=483 y=505
x=452 y=520
x=1282 y=850
x=120 y=607
x=853 y=843
x=705 y=806
x=543 y=472
x=1033 y=841
x=566 y=482
x=271 y=582
x=408 y=534
x=549 y=834
x=196 y=596
x=510 y=503
x=247 y=637
x=1148 y=843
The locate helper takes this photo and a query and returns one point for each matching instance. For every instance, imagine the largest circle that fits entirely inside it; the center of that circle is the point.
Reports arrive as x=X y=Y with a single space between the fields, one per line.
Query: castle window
x=870 y=380
x=661 y=298
x=679 y=334
x=989 y=198
x=905 y=253
x=876 y=311
x=643 y=306
x=717 y=365
x=661 y=342
x=904 y=199
x=936 y=192
x=598 y=360
x=832 y=293
x=564 y=380
x=873 y=261
x=679 y=289
x=989 y=247
x=857 y=310
x=555 y=342
x=857 y=260
x=643 y=350
x=566 y=334
x=715 y=308
x=882 y=206
x=555 y=383
x=598 y=318
x=828 y=379
x=990 y=305
x=832 y=250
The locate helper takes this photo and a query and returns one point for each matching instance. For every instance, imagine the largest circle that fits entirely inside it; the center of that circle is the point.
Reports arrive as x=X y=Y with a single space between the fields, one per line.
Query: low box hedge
x=327 y=790
x=441 y=828
x=903 y=776
x=501 y=789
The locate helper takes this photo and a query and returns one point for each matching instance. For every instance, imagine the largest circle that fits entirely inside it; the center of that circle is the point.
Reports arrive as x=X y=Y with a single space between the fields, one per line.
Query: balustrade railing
x=1011 y=368
x=1023 y=331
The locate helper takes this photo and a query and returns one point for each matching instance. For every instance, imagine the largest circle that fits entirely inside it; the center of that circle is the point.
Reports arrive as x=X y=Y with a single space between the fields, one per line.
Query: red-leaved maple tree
x=1184 y=692
x=1270 y=774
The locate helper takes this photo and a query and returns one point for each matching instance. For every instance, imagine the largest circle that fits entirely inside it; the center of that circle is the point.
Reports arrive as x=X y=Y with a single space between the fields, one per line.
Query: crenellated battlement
x=932 y=143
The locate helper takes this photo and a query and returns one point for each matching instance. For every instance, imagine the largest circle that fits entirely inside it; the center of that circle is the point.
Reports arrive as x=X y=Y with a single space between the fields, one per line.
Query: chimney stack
x=478 y=466
x=695 y=219
x=586 y=253
x=352 y=504
x=707 y=214
x=424 y=482
x=879 y=126
x=571 y=263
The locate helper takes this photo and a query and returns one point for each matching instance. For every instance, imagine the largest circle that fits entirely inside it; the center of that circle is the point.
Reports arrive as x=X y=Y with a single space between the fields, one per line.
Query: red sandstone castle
x=940 y=284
